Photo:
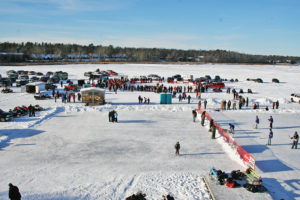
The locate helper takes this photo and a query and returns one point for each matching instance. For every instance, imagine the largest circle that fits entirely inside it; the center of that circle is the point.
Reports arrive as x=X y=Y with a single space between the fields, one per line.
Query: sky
x=268 y=27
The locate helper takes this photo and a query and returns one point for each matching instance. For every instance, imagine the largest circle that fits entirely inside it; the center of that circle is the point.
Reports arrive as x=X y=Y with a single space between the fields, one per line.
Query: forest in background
x=48 y=52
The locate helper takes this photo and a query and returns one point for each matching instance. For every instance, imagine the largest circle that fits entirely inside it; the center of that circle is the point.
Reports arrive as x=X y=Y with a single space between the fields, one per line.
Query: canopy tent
x=93 y=96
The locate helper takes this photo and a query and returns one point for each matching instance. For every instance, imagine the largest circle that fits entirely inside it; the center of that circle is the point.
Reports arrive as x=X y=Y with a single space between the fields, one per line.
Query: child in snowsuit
x=295 y=140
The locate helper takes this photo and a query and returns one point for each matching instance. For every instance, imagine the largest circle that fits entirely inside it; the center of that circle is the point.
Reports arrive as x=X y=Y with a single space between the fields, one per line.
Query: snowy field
x=71 y=151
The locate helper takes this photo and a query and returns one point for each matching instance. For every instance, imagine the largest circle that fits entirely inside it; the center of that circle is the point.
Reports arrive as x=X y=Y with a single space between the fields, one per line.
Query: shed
x=35 y=87
x=93 y=96
x=166 y=98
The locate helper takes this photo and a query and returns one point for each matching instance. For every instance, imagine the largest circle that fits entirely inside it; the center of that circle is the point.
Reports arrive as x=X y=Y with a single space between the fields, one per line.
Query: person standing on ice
x=194 y=113
x=234 y=106
x=189 y=99
x=270 y=137
x=177 y=148
x=295 y=140
x=277 y=104
x=213 y=132
x=205 y=103
x=202 y=118
x=14 y=193
x=115 y=117
x=256 y=122
x=231 y=127
x=271 y=121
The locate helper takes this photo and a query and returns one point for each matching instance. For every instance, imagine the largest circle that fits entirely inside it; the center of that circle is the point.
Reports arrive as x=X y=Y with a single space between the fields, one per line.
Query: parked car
x=33 y=79
x=49 y=73
x=53 y=79
x=275 y=80
x=39 y=74
x=11 y=72
x=5 y=116
x=217 y=78
x=259 y=80
x=19 y=83
x=44 y=78
x=5 y=82
x=215 y=85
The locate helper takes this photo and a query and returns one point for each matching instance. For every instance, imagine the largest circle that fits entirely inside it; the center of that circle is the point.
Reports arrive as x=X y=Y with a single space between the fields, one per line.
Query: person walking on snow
x=295 y=140
x=14 y=193
x=270 y=137
x=177 y=148
x=256 y=122
x=271 y=122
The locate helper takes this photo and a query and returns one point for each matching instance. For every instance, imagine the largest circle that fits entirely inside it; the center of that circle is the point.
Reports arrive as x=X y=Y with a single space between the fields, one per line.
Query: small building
x=93 y=96
x=35 y=87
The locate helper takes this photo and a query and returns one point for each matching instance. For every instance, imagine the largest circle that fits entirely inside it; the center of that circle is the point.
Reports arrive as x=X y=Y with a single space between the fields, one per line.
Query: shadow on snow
x=16 y=133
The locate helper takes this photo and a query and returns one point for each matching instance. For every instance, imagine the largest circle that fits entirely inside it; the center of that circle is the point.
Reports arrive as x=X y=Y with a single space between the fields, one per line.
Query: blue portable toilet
x=165 y=98
x=169 y=98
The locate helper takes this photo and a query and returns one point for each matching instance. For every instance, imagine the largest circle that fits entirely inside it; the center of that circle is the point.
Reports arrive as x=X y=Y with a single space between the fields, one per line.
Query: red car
x=215 y=85
x=111 y=72
x=74 y=88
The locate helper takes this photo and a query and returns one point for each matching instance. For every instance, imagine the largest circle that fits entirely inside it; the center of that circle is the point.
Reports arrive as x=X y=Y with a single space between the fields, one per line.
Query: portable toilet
x=165 y=98
x=169 y=98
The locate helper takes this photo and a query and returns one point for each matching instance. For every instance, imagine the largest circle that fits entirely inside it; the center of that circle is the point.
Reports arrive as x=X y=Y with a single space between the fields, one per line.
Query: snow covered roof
x=36 y=83
x=92 y=88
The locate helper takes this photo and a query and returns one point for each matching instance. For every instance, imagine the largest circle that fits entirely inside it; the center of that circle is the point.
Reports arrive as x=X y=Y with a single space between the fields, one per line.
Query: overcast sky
x=248 y=26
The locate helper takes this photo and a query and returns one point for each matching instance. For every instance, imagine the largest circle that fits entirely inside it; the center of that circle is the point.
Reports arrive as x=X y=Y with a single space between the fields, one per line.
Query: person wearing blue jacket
x=270 y=137
x=271 y=121
x=256 y=122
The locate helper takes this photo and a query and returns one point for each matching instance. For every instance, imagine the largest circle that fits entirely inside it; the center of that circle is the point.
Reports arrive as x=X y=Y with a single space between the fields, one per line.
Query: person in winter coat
x=271 y=121
x=199 y=104
x=295 y=140
x=213 y=132
x=231 y=127
x=189 y=99
x=30 y=108
x=202 y=118
x=14 y=193
x=78 y=96
x=177 y=148
x=110 y=116
x=234 y=106
x=211 y=123
x=256 y=122
x=270 y=137
x=194 y=113
x=115 y=116
x=277 y=104
x=228 y=105
x=205 y=103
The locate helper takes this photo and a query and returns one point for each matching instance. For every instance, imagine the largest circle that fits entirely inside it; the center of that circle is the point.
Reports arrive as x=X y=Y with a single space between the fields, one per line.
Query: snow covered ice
x=71 y=151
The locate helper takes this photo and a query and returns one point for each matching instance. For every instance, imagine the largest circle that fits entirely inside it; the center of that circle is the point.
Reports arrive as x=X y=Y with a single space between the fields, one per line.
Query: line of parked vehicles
x=22 y=77
x=18 y=111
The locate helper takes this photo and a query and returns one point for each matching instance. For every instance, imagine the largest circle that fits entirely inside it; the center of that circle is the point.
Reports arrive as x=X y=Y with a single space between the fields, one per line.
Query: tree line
x=48 y=52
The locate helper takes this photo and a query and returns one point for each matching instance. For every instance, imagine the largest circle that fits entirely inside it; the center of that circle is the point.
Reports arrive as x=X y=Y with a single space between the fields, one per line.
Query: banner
x=248 y=159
